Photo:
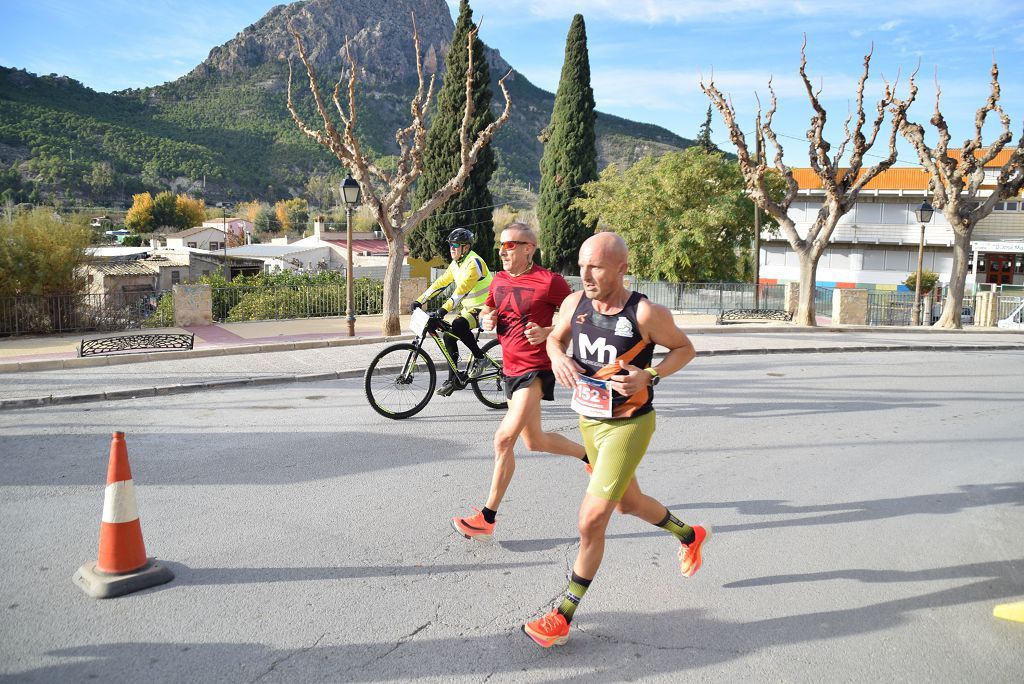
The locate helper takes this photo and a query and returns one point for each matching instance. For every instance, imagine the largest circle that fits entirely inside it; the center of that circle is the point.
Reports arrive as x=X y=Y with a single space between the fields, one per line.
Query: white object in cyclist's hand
x=418 y=322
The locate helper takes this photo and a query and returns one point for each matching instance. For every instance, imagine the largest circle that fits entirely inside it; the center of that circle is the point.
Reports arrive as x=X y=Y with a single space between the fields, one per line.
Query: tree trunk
x=805 y=314
x=390 y=325
x=950 y=317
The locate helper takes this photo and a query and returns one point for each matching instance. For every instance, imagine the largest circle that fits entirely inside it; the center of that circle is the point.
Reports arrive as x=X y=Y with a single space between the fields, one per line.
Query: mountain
x=223 y=129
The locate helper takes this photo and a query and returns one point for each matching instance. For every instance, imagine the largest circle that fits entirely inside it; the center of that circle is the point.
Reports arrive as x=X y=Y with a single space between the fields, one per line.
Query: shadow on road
x=604 y=647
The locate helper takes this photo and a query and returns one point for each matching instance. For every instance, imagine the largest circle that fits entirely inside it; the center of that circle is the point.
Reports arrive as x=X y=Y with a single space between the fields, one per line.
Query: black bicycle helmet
x=461 y=236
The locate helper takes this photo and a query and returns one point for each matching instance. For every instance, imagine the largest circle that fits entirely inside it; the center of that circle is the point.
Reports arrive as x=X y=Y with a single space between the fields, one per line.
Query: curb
x=259 y=348
x=186 y=388
x=116 y=360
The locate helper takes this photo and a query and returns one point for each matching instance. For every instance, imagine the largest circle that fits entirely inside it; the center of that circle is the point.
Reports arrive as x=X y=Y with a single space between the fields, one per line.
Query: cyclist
x=472 y=278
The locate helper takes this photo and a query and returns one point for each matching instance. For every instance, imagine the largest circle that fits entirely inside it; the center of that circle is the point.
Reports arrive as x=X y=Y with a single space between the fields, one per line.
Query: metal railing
x=705 y=298
x=279 y=302
x=1006 y=306
x=823 y=301
x=892 y=308
x=66 y=313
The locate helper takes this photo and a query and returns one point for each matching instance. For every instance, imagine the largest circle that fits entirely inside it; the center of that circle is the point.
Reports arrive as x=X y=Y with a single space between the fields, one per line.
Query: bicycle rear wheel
x=489 y=388
x=400 y=381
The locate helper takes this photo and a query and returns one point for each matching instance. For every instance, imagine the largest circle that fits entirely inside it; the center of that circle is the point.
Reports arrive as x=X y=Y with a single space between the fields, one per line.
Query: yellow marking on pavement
x=1010 y=611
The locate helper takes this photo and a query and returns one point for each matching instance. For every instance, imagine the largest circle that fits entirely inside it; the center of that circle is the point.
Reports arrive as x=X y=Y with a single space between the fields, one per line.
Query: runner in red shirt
x=521 y=303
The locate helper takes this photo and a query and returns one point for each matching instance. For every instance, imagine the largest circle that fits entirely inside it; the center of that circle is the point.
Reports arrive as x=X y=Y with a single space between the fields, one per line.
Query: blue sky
x=647 y=56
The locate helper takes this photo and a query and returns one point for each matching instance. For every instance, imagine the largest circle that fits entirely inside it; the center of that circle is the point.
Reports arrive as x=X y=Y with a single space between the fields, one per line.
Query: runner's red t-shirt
x=532 y=296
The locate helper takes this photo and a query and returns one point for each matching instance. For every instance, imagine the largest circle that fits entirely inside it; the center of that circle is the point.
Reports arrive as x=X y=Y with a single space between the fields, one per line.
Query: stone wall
x=193 y=305
x=408 y=290
x=792 y=298
x=850 y=307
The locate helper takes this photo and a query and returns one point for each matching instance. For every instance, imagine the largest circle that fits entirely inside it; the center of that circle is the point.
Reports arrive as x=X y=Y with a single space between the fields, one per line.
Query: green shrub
x=928 y=280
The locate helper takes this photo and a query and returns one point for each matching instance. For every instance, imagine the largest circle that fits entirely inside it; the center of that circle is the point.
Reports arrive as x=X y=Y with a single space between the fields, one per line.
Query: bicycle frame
x=434 y=329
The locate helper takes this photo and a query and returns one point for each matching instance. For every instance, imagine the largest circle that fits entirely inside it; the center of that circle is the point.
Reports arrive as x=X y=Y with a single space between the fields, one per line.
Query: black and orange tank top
x=600 y=341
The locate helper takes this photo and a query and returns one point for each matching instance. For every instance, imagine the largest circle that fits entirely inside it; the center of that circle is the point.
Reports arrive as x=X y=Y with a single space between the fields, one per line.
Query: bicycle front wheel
x=489 y=388
x=400 y=381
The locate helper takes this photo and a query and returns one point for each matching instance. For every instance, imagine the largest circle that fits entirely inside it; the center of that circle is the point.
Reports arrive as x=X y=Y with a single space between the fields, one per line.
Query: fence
x=1007 y=305
x=705 y=298
x=263 y=303
x=66 y=313
x=823 y=301
x=892 y=308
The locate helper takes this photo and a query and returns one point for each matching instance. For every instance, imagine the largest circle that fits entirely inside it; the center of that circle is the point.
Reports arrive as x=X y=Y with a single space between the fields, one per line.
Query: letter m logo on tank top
x=597 y=350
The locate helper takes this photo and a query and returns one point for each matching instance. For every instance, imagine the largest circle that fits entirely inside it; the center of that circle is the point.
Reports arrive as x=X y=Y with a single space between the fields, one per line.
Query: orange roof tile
x=901 y=178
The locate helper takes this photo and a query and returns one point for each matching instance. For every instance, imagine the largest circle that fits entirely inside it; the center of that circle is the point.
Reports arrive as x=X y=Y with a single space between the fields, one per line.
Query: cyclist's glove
x=439 y=314
x=415 y=305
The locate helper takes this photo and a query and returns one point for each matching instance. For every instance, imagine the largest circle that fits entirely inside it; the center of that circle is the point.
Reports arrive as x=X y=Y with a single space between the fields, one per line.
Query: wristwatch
x=655 y=378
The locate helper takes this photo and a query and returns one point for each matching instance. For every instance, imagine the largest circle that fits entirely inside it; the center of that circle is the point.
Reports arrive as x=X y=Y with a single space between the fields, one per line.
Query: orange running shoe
x=589 y=467
x=690 y=554
x=473 y=526
x=550 y=630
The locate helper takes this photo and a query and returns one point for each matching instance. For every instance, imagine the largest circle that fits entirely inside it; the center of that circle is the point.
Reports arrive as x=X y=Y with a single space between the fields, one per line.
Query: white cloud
x=890 y=25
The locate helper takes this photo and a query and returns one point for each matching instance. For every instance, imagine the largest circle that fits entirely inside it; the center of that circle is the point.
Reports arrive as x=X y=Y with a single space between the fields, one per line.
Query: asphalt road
x=867 y=509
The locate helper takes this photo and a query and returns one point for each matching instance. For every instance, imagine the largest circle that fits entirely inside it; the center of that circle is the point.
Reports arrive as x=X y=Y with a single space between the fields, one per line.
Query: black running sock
x=489 y=515
x=573 y=595
x=683 y=532
x=585 y=459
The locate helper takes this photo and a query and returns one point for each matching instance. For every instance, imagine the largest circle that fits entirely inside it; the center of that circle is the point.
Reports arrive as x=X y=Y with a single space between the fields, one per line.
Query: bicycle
x=400 y=380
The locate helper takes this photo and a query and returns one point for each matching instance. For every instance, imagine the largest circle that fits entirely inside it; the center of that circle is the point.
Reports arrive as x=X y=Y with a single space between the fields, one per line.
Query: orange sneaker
x=690 y=554
x=589 y=467
x=473 y=526
x=550 y=630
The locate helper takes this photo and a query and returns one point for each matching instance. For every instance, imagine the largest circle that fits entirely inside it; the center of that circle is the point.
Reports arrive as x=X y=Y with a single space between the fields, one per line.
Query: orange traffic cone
x=122 y=566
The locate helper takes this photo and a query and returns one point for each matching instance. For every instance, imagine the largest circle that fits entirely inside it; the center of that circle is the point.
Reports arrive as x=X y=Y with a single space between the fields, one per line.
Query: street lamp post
x=924 y=215
x=350 y=195
x=224 y=245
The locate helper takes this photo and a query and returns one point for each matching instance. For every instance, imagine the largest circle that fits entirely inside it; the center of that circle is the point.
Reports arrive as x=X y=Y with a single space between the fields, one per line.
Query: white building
x=233 y=225
x=293 y=257
x=875 y=245
x=205 y=237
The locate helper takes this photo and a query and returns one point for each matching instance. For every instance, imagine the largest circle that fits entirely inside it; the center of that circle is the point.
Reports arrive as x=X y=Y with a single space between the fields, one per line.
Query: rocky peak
x=379 y=32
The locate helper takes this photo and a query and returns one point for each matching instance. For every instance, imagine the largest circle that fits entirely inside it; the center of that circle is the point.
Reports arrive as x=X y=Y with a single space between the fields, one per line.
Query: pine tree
x=570 y=157
x=704 y=135
x=471 y=208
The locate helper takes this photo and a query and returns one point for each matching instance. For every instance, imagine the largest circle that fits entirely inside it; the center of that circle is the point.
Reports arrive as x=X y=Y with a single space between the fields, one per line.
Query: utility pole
x=757 y=224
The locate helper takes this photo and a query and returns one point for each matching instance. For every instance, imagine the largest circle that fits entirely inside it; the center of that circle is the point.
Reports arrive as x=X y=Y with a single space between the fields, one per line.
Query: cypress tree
x=471 y=208
x=703 y=140
x=570 y=157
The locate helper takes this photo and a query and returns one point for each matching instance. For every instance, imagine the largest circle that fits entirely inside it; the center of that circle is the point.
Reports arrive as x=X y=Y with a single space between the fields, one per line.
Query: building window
x=191 y=244
x=175 y=277
x=1011 y=206
x=874 y=260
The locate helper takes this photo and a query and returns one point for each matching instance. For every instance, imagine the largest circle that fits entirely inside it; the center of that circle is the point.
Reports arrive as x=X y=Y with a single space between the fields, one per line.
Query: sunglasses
x=509 y=245
x=457 y=245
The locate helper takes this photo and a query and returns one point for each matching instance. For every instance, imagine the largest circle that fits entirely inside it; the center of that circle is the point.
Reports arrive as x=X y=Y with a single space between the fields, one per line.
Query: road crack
x=295 y=652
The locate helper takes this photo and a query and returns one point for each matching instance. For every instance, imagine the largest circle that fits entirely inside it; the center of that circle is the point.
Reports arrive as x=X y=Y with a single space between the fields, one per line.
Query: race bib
x=592 y=398
x=419 y=321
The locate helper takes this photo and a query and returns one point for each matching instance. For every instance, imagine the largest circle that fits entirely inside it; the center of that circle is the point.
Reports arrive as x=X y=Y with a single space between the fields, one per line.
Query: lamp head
x=924 y=212
x=350 y=190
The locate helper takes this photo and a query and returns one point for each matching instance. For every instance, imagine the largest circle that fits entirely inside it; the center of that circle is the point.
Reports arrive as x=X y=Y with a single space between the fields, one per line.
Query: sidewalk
x=41 y=371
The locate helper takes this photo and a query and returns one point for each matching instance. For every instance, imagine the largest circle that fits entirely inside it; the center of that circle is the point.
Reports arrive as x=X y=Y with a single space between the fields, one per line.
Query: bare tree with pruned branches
x=390 y=206
x=956 y=181
x=841 y=185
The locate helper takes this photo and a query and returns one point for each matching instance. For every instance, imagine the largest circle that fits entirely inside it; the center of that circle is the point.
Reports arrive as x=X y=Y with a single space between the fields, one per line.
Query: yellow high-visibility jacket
x=471 y=277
